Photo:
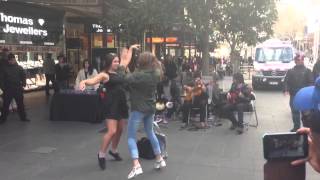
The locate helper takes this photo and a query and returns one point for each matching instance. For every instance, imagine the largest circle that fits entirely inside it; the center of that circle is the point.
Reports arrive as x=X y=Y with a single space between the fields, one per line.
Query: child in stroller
x=167 y=100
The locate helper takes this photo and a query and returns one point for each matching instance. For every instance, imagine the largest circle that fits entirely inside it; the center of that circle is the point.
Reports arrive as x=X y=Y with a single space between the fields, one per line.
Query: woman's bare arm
x=101 y=77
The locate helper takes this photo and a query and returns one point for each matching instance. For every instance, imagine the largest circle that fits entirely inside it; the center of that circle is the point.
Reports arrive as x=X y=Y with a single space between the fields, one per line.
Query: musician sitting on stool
x=196 y=96
x=238 y=97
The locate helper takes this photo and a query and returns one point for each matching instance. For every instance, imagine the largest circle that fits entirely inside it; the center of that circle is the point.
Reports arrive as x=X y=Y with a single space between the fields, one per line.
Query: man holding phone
x=307 y=100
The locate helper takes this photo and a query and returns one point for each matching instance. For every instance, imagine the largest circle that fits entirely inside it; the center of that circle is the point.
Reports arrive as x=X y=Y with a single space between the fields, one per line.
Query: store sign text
x=97 y=27
x=22 y=21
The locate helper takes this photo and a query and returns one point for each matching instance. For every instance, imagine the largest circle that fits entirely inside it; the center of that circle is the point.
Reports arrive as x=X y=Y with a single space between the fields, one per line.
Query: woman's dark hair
x=10 y=56
x=90 y=68
x=238 y=77
x=108 y=61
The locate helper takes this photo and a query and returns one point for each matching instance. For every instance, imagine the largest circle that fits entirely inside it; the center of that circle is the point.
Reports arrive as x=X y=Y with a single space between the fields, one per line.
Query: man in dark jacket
x=170 y=68
x=296 y=78
x=49 y=70
x=62 y=71
x=3 y=62
x=316 y=69
x=14 y=80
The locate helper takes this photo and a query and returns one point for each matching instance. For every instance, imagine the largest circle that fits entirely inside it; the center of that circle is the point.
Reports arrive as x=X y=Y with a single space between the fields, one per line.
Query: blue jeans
x=135 y=118
x=295 y=114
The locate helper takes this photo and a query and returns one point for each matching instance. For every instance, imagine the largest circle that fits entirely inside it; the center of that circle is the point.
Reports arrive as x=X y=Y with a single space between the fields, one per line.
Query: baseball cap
x=308 y=98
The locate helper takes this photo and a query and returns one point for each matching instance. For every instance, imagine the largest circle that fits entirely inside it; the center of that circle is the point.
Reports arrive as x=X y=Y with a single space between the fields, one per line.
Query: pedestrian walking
x=49 y=71
x=14 y=79
x=62 y=74
x=115 y=110
x=296 y=78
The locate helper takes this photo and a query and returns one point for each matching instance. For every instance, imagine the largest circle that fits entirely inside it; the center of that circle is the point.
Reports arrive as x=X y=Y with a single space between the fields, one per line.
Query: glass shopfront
x=30 y=32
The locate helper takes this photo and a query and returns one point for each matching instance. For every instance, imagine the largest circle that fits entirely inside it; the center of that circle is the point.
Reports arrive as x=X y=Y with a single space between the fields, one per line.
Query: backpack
x=145 y=149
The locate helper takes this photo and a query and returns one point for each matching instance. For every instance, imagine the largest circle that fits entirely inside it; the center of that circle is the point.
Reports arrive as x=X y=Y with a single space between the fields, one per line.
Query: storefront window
x=110 y=41
x=98 y=40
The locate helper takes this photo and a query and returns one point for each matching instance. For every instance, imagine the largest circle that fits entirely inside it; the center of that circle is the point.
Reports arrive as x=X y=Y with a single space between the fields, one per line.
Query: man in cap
x=307 y=101
x=296 y=78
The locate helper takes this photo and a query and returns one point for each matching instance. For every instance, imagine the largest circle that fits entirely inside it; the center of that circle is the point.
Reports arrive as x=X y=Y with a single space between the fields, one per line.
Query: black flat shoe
x=102 y=163
x=116 y=156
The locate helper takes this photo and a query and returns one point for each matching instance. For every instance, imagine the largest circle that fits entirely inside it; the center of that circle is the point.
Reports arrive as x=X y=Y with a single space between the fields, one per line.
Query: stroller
x=162 y=138
x=162 y=107
x=167 y=101
x=145 y=147
x=217 y=103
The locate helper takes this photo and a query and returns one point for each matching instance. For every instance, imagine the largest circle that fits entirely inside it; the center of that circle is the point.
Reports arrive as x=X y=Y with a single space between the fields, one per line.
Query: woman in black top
x=116 y=110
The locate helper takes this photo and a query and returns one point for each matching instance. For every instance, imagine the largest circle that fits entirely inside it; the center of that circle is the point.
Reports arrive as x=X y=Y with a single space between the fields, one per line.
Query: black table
x=75 y=106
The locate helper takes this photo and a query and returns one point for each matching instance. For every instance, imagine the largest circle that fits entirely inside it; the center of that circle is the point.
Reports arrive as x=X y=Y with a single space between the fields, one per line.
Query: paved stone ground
x=45 y=150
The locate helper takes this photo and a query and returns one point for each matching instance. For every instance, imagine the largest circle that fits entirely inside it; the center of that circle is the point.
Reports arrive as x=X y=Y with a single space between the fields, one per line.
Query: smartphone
x=285 y=146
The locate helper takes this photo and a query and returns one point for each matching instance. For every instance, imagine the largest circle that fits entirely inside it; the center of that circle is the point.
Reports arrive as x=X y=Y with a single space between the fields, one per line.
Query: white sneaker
x=160 y=164
x=135 y=172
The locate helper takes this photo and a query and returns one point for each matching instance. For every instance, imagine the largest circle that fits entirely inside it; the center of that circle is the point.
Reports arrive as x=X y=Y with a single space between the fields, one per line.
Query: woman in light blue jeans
x=134 y=121
x=142 y=82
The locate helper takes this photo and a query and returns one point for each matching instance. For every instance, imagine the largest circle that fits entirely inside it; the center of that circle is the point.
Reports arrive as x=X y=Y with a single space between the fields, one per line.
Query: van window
x=284 y=54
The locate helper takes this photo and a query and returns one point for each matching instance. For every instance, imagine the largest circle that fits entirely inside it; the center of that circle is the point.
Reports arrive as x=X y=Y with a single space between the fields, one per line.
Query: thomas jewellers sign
x=29 y=24
x=13 y=25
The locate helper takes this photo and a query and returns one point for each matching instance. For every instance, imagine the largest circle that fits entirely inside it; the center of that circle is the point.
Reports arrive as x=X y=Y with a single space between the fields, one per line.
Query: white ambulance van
x=272 y=60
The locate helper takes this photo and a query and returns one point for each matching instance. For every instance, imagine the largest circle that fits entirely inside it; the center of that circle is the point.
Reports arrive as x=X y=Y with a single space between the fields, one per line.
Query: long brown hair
x=108 y=61
x=148 y=61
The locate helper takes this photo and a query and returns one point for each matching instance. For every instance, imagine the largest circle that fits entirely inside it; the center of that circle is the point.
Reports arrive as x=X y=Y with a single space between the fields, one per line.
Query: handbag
x=145 y=149
x=102 y=92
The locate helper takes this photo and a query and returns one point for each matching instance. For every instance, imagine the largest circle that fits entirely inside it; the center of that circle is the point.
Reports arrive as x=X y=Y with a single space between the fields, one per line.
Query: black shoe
x=25 y=120
x=240 y=130
x=102 y=163
x=115 y=156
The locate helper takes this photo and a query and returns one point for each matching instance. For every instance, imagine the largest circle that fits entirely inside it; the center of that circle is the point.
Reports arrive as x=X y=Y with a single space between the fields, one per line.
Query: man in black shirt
x=316 y=69
x=296 y=78
x=62 y=71
x=3 y=62
x=14 y=79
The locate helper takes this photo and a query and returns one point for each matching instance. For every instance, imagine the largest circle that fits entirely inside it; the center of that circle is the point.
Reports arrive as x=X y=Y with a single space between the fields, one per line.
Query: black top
x=62 y=72
x=170 y=70
x=115 y=85
x=1 y=72
x=316 y=70
x=14 y=77
x=296 y=78
x=115 y=101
